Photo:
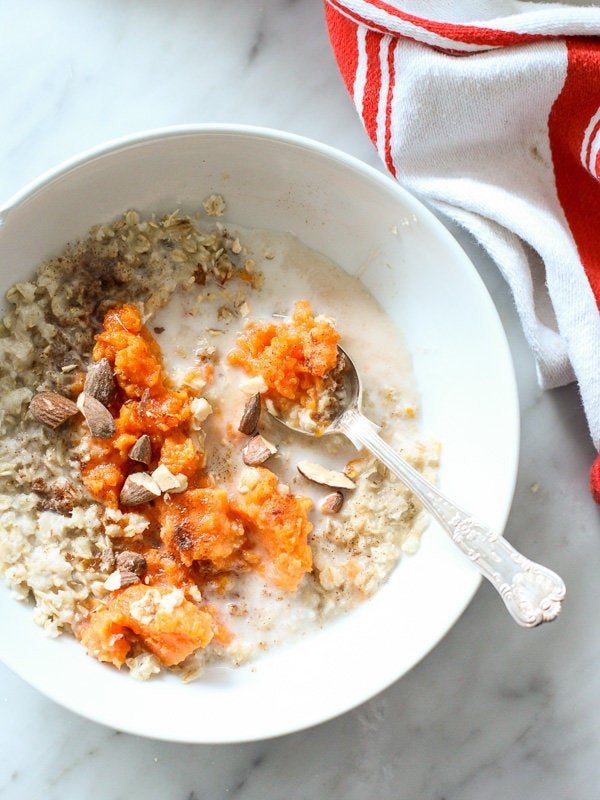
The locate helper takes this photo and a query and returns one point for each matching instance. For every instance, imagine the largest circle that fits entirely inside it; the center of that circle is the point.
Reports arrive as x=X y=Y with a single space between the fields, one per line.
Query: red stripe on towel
x=578 y=190
x=342 y=32
x=480 y=37
x=467 y=34
x=372 y=84
x=388 y=106
x=373 y=26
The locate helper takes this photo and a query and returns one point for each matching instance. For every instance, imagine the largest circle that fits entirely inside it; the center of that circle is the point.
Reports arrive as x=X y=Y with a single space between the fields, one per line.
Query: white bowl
x=372 y=227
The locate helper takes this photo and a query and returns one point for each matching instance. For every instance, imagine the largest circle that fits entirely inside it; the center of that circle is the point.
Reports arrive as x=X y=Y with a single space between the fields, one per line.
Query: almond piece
x=100 y=381
x=353 y=468
x=167 y=482
x=130 y=561
x=251 y=415
x=52 y=409
x=325 y=477
x=201 y=411
x=142 y=450
x=99 y=419
x=250 y=386
x=119 y=579
x=128 y=578
x=144 y=400
x=139 y=488
x=333 y=503
x=257 y=451
x=113 y=582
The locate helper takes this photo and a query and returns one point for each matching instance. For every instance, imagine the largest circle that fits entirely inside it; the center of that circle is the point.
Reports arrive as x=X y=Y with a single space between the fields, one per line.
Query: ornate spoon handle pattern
x=532 y=593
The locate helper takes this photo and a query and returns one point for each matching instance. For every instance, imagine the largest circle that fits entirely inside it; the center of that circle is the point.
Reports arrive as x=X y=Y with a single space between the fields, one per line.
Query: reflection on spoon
x=532 y=593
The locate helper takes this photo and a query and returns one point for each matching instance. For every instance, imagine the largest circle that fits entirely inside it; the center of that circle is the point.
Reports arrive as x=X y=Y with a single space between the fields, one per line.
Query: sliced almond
x=100 y=381
x=139 y=488
x=131 y=561
x=144 y=400
x=323 y=476
x=332 y=504
x=354 y=468
x=128 y=578
x=119 y=579
x=167 y=482
x=99 y=419
x=52 y=409
x=113 y=581
x=201 y=410
x=251 y=415
x=257 y=451
x=250 y=386
x=142 y=450
x=182 y=484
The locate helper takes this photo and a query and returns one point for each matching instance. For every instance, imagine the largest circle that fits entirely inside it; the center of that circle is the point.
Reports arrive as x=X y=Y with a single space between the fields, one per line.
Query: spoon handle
x=532 y=593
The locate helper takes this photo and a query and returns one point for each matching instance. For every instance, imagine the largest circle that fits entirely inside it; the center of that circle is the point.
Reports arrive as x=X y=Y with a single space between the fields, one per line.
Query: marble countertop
x=494 y=711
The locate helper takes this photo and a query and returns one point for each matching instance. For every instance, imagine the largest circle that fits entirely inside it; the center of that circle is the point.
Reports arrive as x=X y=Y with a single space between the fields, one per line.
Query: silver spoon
x=532 y=593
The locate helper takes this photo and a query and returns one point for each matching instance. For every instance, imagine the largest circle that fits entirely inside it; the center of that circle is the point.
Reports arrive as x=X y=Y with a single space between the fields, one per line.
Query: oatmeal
x=149 y=503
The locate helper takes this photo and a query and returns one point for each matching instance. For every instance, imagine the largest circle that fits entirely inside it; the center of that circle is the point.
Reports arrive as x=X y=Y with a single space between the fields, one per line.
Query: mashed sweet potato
x=145 y=404
x=293 y=356
x=279 y=523
x=165 y=622
x=198 y=525
x=203 y=534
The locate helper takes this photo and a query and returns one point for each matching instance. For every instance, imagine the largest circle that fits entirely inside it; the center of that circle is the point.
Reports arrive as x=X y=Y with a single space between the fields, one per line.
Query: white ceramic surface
x=368 y=224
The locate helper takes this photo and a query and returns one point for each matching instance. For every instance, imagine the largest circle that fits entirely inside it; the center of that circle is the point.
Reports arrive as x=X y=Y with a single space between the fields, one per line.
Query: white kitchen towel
x=489 y=110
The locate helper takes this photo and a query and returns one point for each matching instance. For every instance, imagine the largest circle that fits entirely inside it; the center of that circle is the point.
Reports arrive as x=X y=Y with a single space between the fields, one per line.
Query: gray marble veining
x=494 y=711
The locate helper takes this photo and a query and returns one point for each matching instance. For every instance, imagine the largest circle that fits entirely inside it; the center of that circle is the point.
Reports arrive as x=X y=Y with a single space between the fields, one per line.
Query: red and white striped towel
x=489 y=110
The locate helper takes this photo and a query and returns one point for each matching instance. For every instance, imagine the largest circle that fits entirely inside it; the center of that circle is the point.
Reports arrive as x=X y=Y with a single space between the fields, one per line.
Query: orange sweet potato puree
x=280 y=524
x=141 y=612
x=293 y=356
x=204 y=534
x=145 y=405
x=197 y=525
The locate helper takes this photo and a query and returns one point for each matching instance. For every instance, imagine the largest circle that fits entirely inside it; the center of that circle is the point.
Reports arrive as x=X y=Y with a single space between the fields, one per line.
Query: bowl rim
x=140 y=138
